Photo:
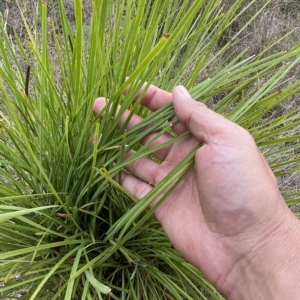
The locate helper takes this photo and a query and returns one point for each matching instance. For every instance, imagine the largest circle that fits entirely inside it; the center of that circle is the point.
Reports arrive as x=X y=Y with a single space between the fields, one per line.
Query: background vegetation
x=62 y=221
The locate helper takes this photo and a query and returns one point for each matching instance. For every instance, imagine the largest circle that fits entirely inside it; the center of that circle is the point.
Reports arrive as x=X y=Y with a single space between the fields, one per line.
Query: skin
x=227 y=217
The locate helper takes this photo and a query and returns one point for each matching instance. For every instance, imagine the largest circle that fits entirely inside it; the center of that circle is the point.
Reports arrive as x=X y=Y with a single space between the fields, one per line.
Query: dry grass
x=277 y=19
x=280 y=18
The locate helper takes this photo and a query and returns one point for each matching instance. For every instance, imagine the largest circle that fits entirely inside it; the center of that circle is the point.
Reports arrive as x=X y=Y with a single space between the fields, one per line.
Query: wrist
x=271 y=270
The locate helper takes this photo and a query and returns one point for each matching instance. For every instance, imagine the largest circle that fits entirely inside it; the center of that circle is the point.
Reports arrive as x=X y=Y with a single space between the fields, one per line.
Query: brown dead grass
x=277 y=19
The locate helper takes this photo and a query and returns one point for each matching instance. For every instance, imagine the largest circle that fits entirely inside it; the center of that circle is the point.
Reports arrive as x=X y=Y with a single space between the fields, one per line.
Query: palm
x=216 y=199
x=186 y=209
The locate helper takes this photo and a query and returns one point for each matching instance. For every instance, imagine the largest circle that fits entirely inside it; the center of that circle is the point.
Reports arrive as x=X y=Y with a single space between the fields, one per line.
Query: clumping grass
x=68 y=229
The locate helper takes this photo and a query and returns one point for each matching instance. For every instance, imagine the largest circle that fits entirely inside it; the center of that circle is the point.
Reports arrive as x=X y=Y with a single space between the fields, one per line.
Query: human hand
x=227 y=213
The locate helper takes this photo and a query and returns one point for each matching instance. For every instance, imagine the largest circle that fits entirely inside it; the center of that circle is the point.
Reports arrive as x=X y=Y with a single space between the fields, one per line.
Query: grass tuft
x=68 y=228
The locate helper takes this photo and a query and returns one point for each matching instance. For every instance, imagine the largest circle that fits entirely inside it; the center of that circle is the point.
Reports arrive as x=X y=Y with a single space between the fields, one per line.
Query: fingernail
x=99 y=104
x=183 y=91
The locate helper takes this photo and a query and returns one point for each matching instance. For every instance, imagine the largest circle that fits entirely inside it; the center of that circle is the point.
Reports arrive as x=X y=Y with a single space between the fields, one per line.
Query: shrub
x=67 y=227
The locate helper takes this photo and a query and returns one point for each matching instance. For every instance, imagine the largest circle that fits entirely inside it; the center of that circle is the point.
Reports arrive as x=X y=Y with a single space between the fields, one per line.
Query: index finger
x=154 y=97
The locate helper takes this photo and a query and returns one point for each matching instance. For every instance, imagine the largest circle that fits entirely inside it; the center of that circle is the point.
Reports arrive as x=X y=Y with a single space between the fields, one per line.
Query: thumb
x=202 y=122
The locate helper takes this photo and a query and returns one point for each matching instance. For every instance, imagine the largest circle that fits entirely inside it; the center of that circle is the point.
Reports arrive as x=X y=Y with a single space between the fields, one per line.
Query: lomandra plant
x=68 y=229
